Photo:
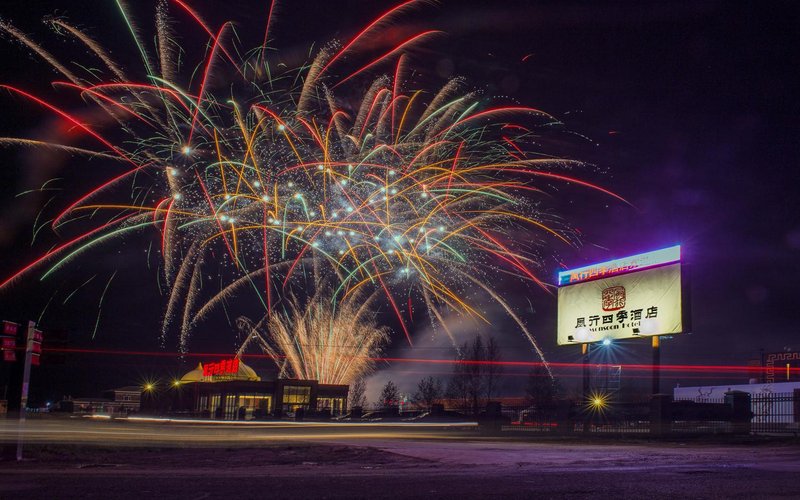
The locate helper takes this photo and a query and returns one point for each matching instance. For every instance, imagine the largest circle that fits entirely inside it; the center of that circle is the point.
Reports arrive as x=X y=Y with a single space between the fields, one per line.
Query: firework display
x=257 y=175
x=320 y=342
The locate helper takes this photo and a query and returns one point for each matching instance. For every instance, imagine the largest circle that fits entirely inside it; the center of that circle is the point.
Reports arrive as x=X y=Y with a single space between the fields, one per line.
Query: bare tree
x=457 y=386
x=475 y=374
x=429 y=391
x=357 y=395
x=475 y=371
x=493 y=368
x=390 y=396
x=541 y=391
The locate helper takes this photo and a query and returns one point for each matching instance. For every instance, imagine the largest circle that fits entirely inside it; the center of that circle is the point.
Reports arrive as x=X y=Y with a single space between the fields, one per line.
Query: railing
x=567 y=417
x=737 y=413
x=701 y=416
x=776 y=413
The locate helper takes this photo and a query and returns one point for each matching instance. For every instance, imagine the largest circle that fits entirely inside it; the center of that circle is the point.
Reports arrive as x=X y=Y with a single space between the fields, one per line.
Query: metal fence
x=568 y=417
x=700 y=416
x=772 y=413
x=776 y=413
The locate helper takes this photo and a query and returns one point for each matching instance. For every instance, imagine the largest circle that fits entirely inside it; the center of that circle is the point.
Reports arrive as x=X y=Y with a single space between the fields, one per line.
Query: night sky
x=688 y=109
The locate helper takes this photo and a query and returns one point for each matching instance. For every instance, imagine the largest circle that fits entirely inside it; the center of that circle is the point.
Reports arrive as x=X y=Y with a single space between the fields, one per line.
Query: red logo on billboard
x=226 y=366
x=613 y=298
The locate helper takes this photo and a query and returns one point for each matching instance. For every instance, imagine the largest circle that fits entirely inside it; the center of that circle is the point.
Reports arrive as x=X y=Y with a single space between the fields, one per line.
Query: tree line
x=477 y=371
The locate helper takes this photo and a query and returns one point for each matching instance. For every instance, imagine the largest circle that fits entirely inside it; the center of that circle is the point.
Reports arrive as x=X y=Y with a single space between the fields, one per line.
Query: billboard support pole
x=26 y=377
x=585 y=348
x=656 y=364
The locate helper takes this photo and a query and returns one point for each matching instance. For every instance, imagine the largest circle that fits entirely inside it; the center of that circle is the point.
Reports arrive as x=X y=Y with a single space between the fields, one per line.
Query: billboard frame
x=674 y=256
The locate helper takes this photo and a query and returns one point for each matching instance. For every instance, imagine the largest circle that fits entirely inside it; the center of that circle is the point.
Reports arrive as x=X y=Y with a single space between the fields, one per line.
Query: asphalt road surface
x=90 y=459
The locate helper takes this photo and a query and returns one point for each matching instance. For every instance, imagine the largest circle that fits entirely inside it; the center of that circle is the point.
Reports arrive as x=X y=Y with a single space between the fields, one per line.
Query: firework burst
x=315 y=341
x=253 y=174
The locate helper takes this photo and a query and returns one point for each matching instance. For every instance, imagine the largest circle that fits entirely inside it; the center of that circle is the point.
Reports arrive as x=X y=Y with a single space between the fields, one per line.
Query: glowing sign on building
x=620 y=266
x=224 y=367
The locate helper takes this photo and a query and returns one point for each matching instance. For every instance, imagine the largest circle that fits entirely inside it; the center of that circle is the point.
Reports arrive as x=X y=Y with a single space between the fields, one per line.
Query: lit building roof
x=231 y=369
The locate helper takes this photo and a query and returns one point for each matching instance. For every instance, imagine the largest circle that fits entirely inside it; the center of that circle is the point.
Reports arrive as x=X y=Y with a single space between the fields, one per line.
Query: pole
x=656 y=365
x=585 y=348
x=26 y=377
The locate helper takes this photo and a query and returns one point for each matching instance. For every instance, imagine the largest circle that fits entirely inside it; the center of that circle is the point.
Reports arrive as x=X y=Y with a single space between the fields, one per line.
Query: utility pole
x=585 y=351
x=26 y=377
x=656 y=365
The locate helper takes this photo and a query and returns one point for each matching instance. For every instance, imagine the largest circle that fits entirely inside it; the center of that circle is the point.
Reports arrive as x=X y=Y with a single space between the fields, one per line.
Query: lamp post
x=31 y=340
x=585 y=350
x=656 y=348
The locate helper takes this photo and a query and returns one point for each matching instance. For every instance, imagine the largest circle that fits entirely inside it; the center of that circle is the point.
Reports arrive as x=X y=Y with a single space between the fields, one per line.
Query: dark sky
x=690 y=111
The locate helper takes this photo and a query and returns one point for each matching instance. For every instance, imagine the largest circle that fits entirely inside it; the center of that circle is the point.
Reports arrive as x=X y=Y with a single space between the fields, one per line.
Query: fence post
x=741 y=411
x=660 y=414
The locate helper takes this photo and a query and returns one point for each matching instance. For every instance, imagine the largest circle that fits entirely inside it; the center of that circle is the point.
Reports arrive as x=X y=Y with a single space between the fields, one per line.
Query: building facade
x=231 y=390
x=121 y=401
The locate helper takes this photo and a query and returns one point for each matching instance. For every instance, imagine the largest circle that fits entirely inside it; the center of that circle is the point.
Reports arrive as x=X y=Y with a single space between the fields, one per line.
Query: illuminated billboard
x=641 y=295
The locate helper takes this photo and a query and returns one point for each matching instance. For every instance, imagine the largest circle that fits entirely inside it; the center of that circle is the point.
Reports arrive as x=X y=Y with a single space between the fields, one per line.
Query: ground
x=112 y=460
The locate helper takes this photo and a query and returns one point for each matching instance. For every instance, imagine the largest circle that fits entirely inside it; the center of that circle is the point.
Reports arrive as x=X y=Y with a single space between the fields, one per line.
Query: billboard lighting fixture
x=606 y=342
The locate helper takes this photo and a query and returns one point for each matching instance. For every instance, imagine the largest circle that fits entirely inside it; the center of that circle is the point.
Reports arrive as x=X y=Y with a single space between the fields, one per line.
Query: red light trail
x=721 y=369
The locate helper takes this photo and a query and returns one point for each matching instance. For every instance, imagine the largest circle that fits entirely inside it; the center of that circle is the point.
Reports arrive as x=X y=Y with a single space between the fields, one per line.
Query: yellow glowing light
x=597 y=402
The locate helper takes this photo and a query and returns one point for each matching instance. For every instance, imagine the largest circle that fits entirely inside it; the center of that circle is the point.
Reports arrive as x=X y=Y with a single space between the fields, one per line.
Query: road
x=81 y=459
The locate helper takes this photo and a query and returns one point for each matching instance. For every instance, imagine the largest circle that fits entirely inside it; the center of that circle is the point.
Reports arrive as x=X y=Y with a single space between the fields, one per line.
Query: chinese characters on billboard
x=619 y=266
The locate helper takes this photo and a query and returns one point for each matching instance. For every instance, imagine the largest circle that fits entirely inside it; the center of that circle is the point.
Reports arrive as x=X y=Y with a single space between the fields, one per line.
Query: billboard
x=641 y=295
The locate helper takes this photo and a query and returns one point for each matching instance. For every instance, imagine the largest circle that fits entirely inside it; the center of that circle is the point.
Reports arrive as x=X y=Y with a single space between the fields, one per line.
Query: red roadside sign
x=10 y=328
x=8 y=340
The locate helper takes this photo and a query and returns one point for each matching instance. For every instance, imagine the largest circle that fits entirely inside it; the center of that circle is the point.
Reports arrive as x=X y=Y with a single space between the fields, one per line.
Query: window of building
x=202 y=404
x=231 y=407
x=295 y=397
x=335 y=405
x=255 y=404
x=215 y=406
